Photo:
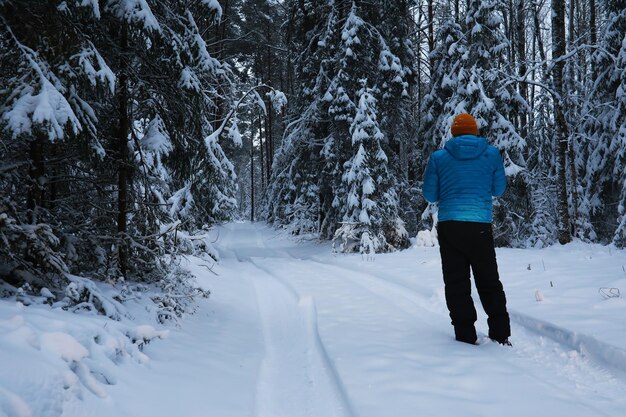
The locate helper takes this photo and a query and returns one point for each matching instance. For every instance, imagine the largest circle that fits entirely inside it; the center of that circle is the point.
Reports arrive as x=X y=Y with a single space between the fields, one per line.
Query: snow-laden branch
x=46 y=107
x=276 y=96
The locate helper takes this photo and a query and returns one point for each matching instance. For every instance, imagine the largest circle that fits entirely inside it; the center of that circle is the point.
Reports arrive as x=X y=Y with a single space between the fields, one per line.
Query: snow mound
x=427 y=238
x=64 y=355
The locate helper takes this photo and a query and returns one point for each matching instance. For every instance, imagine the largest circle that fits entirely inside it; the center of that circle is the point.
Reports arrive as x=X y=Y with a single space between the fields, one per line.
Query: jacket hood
x=466 y=146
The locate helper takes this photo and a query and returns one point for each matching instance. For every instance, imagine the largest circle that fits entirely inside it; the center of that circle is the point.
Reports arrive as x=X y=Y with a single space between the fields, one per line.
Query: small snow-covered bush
x=347 y=239
x=350 y=238
x=177 y=295
x=180 y=241
x=427 y=238
x=82 y=295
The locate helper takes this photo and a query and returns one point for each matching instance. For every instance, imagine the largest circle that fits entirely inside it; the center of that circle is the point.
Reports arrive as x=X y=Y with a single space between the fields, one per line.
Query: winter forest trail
x=339 y=336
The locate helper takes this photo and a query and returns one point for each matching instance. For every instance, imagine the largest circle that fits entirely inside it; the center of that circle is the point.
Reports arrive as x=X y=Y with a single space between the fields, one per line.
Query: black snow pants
x=463 y=245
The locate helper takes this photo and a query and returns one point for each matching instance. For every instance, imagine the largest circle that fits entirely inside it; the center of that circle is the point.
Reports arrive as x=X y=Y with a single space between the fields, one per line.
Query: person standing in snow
x=462 y=178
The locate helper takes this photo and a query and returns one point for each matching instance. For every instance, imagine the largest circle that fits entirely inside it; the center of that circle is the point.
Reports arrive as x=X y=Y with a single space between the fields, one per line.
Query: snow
x=156 y=138
x=47 y=108
x=278 y=99
x=292 y=329
x=9 y=402
x=215 y=6
x=234 y=134
x=95 y=7
x=62 y=345
x=189 y=80
x=88 y=59
x=368 y=186
x=134 y=11
x=181 y=202
x=426 y=238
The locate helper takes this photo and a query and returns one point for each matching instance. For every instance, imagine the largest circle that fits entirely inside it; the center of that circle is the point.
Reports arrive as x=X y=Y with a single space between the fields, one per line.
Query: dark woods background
x=130 y=127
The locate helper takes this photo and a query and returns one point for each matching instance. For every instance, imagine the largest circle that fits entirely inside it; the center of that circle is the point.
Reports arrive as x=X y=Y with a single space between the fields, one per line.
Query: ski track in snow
x=297 y=375
x=588 y=363
x=291 y=330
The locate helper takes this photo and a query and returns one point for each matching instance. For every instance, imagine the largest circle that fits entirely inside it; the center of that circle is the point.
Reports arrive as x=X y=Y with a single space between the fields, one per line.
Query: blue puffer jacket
x=463 y=177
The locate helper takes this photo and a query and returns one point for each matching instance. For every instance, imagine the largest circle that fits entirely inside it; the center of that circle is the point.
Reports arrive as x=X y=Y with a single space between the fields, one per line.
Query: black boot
x=503 y=342
x=466 y=335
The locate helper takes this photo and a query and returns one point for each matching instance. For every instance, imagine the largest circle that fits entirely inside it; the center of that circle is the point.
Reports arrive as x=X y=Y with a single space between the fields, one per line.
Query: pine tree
x=311 y=177
x=293 y=197
x=468 y=76
x=371 y=215
x=110 y=109
x=604 y=132
x=398 y=72
x=51 y=75
x=447 y=74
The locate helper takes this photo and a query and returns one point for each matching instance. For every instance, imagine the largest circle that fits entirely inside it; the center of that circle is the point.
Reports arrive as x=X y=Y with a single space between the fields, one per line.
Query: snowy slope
x=293 y=330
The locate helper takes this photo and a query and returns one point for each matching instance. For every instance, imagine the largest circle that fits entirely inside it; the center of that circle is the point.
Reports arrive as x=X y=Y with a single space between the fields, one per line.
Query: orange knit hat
x=464 y=124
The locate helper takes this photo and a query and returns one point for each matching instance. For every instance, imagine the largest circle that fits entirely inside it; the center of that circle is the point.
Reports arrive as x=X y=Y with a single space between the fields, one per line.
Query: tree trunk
x=572 y=86
x=507 y=14
x=571 y=77
x=289 y=45
x=521 y=52
x=122 y=149
x=261 y=145
x=270 y=137
x=593 y=33
x=251 y=180
x=558 y=51
x=540 y=47
x=36 y=172
x=431 y=32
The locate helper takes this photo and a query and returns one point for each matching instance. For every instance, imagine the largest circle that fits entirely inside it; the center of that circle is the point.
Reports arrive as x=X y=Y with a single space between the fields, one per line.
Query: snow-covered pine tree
x=448 y=55
x=115 y=102
x=618 y=144
x=469 y=76
x=448 y=59
x=256 y=40
x=208 y=96
x=172 y=80
x=293 y=197
x=540 y=175
x=398 y=78
x=340 y=50
x=371 y=202
x=370 y=211
x=48 y=123
x=603 y=198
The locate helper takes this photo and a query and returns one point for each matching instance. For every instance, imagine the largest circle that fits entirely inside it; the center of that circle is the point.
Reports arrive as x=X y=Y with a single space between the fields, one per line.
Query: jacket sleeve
x=430 y=188
x=498 y=182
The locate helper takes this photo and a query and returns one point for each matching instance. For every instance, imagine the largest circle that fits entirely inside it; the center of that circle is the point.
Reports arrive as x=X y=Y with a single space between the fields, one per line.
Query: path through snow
x=341 y=336
x=291 y=330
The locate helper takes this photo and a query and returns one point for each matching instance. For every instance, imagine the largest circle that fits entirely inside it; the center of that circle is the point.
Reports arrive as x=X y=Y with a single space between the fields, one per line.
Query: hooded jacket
x=463 y=177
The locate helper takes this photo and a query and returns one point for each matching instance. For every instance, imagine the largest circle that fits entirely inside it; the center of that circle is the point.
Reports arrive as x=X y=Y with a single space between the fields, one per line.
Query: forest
x=130 y=128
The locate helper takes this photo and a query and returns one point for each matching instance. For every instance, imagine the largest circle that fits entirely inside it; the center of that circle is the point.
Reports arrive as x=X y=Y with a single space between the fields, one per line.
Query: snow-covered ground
x=293 y=330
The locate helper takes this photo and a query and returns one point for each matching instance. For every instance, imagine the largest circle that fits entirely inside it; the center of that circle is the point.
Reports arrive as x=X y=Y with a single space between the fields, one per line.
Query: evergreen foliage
x=110 y=156
x=129 y=128
x=604 y=134
x=345 y=145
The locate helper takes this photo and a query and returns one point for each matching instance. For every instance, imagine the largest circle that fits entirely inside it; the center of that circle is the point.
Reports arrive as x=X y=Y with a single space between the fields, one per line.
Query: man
x=463 y=177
